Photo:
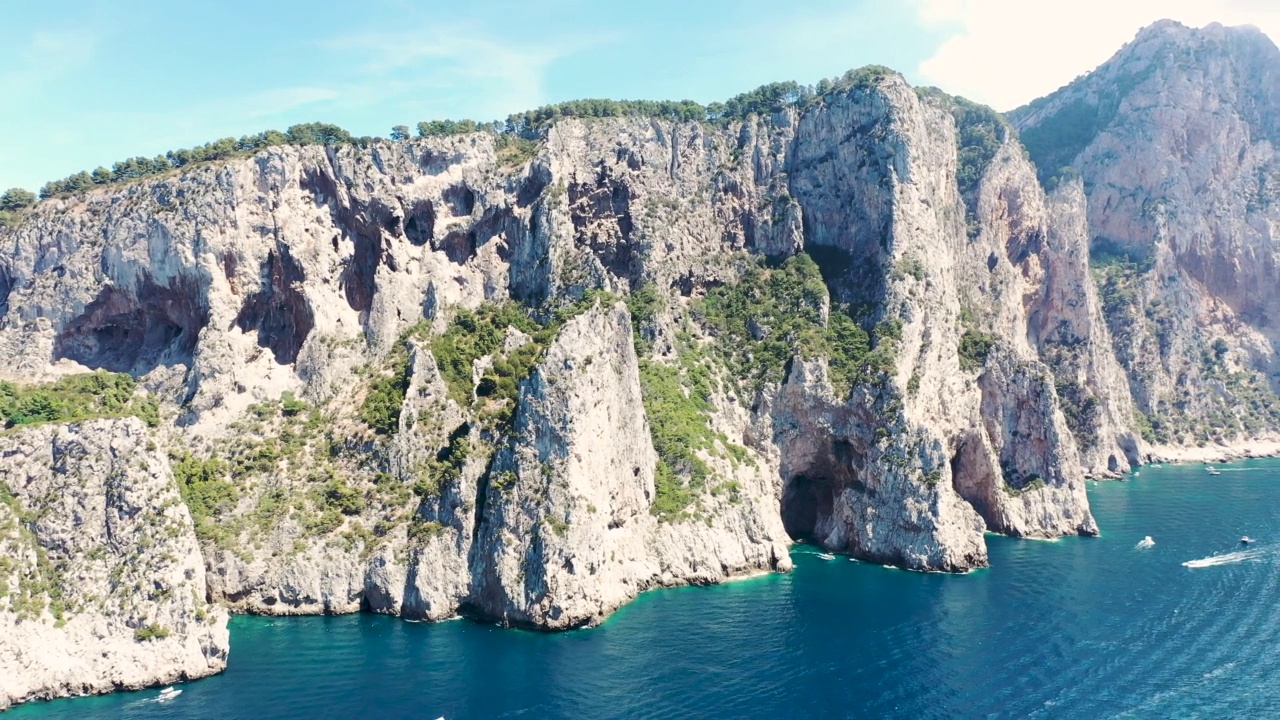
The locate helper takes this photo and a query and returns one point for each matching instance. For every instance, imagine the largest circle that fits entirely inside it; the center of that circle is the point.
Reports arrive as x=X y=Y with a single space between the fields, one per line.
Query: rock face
x=566 y=535
x=1175 y=139
x=527 y=380
x=102 y=586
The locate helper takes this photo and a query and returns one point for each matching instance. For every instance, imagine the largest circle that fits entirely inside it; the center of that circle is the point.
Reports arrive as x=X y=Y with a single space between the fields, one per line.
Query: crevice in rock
x=974 y=478
x=278 y=312
x=460 y=199
x=365 y=225
x=135 y=331
x=358 y=277
x=320 y=184
x=6 y=288
x=601 y=214
x=460 y=246
x=420 y=223
x=229 y=266
x=856 y=279
x=494 y=222
x=531 y=188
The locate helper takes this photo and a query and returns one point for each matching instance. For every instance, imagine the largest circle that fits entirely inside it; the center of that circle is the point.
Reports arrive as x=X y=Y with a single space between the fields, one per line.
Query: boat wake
x=166 y=695
x=1228 y=559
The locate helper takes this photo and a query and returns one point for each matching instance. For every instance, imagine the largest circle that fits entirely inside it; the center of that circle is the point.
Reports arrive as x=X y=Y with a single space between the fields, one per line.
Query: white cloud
x=1008 y=52
x=440 y=60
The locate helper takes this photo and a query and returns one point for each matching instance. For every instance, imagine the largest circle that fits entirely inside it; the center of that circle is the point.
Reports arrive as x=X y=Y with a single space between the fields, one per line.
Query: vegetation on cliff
x=75 y=398
x=514 y=136
x=773 y=314
x=140 y=167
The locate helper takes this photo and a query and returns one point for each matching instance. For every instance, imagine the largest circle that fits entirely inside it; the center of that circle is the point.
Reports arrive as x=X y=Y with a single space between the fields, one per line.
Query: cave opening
x=135 y=331
x=807 y=503
x=420 y=227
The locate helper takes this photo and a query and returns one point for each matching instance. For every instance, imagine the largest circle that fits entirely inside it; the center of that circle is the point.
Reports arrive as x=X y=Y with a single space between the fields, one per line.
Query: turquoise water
x=1084 y=627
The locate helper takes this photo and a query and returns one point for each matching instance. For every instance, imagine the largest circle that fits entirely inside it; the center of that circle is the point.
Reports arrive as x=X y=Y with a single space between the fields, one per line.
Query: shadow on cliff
x=135 y=330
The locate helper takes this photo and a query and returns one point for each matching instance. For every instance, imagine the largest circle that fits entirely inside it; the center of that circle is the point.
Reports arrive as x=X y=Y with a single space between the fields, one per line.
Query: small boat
x=1246 y=540
x=826 y=556
x=1214 y=472
x=168 y=694
x=1146 y=542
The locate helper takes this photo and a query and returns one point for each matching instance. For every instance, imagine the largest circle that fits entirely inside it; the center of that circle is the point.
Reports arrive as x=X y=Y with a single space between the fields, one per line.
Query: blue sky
x=88 y=82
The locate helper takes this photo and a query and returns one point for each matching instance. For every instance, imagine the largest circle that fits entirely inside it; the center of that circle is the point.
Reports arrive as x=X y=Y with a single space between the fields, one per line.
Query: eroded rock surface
x=102 y=586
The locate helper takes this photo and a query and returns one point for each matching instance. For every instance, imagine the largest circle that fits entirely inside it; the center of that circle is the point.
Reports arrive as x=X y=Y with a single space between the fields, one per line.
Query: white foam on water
x=1228 y=559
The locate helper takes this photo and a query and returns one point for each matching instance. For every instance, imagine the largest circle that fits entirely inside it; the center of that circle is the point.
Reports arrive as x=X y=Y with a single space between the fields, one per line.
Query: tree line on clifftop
x=980 y=140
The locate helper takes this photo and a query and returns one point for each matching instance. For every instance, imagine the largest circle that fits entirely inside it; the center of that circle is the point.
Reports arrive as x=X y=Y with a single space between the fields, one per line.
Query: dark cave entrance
x=135 y=331
x=806 y=503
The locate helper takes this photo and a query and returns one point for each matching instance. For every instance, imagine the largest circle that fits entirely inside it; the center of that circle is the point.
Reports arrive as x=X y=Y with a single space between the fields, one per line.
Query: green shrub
x=446 y=467
x=1016 y=487
x=974 y=348
x=141 y=167
x=644 y=304
x=150 y=632
x=442 y=128
x=421 y=529
x=771 y=315
x=910 y=266
x=204 y=488
x=15 y=199
x=290 y=405
x=380 y=409
x=679 y=428
x=514 y=150
x=75 y=398
x=980 y=131
x=340 y=496
x=1056 y=140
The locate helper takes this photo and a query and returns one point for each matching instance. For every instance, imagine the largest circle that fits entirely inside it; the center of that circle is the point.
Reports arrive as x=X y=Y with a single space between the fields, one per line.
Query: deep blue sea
x=1080 y=628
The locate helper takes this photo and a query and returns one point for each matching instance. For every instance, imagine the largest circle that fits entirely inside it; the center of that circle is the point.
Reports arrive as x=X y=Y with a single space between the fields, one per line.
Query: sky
x=85 y=83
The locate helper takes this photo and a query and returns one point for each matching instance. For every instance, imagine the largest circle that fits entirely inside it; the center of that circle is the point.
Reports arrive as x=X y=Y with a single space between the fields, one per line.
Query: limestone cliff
x=102 y=586
x=527 y=376
x=1175 y=140
x=338 y=277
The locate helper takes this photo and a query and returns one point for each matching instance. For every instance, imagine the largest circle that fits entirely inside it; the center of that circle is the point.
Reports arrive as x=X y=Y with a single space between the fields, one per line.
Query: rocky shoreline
x=1268 y=447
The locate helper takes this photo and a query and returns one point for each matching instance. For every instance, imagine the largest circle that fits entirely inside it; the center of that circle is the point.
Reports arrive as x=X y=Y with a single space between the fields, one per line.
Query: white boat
x=1146 y=542
x=1214 y=472
x=826 y=556
x=168 y=694
x=1246 y=540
